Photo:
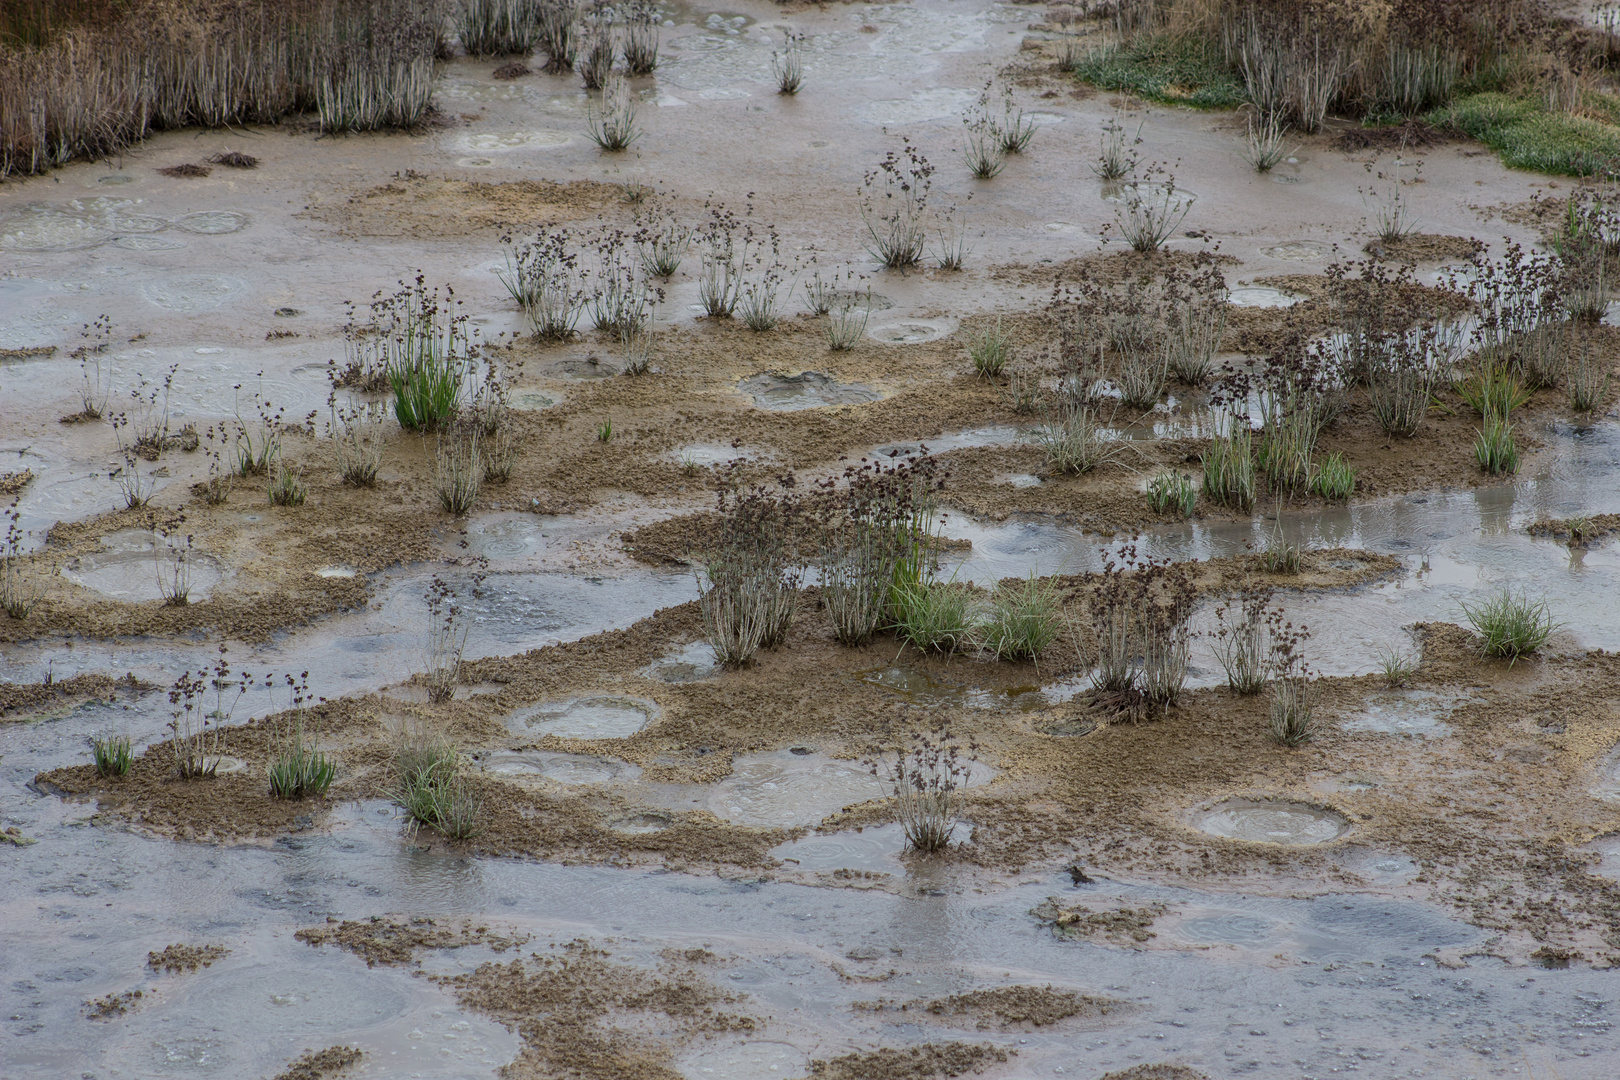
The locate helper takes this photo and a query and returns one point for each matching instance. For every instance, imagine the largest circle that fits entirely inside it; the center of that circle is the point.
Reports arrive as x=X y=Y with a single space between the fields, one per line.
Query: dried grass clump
x=83 y=81
x=186 y=171
x=235 y=159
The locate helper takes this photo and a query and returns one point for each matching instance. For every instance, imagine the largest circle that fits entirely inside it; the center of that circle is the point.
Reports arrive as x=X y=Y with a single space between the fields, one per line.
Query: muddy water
x=1455 y=545
x=1278 y=988
x=206 y=270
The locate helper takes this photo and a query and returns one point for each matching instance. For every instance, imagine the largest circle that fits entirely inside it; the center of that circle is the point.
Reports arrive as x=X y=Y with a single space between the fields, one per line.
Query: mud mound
x=419 y=206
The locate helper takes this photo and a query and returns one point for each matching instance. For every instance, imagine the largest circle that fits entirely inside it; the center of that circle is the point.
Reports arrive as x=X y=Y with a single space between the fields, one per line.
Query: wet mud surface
x=690 y=872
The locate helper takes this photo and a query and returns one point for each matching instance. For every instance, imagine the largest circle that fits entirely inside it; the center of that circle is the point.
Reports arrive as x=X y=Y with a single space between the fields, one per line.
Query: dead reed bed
x=83 y=79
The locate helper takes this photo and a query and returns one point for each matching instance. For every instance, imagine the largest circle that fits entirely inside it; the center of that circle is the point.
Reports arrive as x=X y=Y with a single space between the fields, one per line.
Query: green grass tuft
x=1511 y=626
x=1177 y=71
x=1527 y=136
x=1022 y=621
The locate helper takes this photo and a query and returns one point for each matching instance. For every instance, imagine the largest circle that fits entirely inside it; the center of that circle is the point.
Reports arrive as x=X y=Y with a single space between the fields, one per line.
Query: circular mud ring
x=1298 y=250
x=1260 y=297
x=213 y=222
x=911 y=331
x=641 y=823
x=602 y=716
x=1072 y=728
x=1263 y=821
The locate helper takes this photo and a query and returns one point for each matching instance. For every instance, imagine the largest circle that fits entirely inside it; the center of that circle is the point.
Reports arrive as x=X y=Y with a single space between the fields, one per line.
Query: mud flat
x=623 y=857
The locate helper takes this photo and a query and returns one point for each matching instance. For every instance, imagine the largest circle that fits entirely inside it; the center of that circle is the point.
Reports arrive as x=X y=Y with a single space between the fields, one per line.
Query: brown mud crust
x=1015 y=1008
x=583 y=1016
x=12 y=483
x=1424 y=248
x=389 y=942
x=1121 y=926
x=31 y=352
x=321 y=1064
x=1111 y=268
x=1260 y=331
x=1156 y=1071
x=271 y=563
x=1582 y=532
x=113 y=1005
x=228 y=806
x=514 y=69
x=1495 y=812
x=184 y=958
x=1410 y=135
x=188 y=171
x=25 y=701
x=924 y=1062
x=421 y=206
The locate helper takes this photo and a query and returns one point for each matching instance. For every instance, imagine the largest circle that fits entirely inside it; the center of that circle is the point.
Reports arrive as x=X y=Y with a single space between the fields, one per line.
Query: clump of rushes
x=787 y=64
x=1140 y=613
x=446 y=639
x=990 y=350
x=1228 y=466
x=983 y=151
x=1117 y=159
x=429 y=355
x=749 y=581
x=299 y=769
x=1586 y=380
x=1074 y=439
x=1015 y=129
x=1494 y=446
x=934 y=616
x=1293 y=719
x=112 y=755
x=641 y=38
x=500 y=454
x=19 y=593
x=1172 y=493
x=595 y=61
x=612 y=116
x=429 y=785
x=297 y=766
x=894 y=206
x=1334 y=478
x=358 y=435
x=1493 y=389
x=285 y=486
x=1151 y=212
x=869 y=538
x=604 y=430
x=846 y=322
x=1281 y=555
x=457 y=468
x=1020 y=621
x=1263 y=147
x=1243 y=639
x=1510 y=625
x=953 y=248
x=1397 y=666
x=930 y=782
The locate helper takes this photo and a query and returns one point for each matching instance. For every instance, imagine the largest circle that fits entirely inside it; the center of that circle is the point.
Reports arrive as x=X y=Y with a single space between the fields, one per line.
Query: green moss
x=1527 y=136
x=1177 y=71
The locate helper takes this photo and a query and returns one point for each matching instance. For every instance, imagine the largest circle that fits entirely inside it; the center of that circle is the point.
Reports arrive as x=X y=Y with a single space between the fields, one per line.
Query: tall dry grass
x=82 y=79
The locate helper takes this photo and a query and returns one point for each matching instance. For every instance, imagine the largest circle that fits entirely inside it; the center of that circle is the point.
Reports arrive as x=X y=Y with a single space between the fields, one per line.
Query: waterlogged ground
x=695 y=871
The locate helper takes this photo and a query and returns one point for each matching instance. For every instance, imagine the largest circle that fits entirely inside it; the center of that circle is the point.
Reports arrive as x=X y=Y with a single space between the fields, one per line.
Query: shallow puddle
x=571 y=769
x=783 y=789
x=1256 y=297
x=807 y=390
x=1272 y=822
x=911 y=331
x=750 y=1061
x=597 y=717
x=688 y=663
x=1412 y=712
x=133 y=570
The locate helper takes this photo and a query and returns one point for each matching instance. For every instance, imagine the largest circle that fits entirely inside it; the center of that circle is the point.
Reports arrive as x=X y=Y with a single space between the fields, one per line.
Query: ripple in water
x=213 y=222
